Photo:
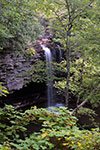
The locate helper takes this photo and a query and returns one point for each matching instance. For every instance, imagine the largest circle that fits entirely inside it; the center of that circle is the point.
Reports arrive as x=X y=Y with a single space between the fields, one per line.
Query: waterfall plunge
x=48 y=56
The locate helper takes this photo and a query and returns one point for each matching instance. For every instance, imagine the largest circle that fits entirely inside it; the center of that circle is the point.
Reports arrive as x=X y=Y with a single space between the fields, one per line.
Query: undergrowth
x=57 y=130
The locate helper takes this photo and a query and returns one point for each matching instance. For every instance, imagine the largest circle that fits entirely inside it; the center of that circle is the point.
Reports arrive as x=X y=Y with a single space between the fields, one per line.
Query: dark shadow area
x=32 y=94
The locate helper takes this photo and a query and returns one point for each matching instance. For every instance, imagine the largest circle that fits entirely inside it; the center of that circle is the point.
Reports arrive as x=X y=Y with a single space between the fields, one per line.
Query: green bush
x=58 y=130
x=90 y=118
x=3 y=90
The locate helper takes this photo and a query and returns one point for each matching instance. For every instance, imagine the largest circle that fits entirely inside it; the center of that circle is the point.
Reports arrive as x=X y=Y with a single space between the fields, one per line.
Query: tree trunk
x=68 y=74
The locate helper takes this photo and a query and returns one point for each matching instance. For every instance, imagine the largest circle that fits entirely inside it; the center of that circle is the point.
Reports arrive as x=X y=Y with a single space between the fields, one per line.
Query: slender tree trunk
x=68 y=53
x=80 y=84
x=68 y=73
x=71 y=17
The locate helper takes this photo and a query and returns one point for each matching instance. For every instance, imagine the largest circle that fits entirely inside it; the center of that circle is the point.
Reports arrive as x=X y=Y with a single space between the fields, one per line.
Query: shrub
x=58 y=131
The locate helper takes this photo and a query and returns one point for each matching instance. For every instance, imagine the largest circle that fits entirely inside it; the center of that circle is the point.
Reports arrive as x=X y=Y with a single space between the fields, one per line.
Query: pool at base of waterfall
x=53 y=108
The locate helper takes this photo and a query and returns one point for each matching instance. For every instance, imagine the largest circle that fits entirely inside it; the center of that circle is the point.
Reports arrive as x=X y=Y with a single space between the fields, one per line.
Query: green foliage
x=3 y=90
x=2 y=147
x=34 y=141
x=39 y=72
x=82 y=19
x=58 y=130
x=19 y=24
x=90 y=118
x=84 y=80
x=10 y=124
x=31 y=51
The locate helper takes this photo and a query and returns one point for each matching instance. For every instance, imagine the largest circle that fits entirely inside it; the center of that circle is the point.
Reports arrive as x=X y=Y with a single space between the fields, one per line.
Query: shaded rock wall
x=14 y=67
x=32 y=94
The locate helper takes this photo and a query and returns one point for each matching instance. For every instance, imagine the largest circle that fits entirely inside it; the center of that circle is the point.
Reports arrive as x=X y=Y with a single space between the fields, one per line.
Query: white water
x=48 y=56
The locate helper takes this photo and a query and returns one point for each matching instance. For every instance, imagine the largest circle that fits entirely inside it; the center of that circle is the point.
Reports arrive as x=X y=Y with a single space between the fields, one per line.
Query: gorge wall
x=15 y=67
x=19 y=70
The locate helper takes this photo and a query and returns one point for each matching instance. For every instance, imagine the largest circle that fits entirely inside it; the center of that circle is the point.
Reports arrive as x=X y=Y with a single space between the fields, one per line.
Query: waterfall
x=48 y=56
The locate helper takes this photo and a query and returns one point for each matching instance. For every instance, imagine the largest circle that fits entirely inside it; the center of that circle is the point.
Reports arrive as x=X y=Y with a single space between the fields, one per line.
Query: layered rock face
x=14 y=68
x=18 y=71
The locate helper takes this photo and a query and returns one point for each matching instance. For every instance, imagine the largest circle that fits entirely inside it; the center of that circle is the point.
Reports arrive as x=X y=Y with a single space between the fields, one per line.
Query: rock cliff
x=14 y=67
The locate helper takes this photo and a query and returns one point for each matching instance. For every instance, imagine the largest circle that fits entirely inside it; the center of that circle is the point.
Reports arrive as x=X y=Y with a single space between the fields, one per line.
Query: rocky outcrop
x=14 y=67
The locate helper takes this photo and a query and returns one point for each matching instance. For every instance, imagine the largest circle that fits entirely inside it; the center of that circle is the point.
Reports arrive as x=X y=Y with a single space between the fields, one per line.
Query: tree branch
x=80 y=105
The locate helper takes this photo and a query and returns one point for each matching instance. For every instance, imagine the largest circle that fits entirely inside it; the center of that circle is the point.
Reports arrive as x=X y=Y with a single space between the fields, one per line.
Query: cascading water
x=48 y=56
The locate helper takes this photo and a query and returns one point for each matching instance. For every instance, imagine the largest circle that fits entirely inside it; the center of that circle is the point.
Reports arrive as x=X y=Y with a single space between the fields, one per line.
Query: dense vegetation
x=19 y=24
x=75 y=26
x=52 y=129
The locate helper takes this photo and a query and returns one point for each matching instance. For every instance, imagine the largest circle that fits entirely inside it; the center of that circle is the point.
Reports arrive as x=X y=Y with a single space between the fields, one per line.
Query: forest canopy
x=19 y=24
